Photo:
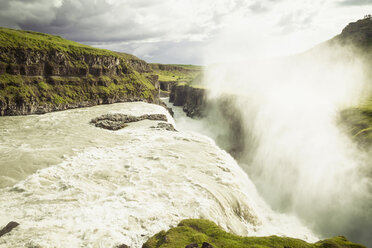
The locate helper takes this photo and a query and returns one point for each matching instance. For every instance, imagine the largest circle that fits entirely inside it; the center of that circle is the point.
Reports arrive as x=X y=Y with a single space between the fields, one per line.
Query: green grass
x=192 y=67
x=358 y=122
x=10 y=79
x=71 y=90
x=199 y=231
x=11 y=38
x=64 y=90
x=176 y=76
x=177 y=73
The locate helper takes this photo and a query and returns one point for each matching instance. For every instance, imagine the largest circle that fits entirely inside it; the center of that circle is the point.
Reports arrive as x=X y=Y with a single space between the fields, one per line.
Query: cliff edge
x=40 y=73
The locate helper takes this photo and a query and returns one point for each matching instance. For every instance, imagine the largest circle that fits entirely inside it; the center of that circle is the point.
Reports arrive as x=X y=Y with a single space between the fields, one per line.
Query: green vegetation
x=64 y=78
x=199 y=231
x=358 y=122
x=11 y=38
x=70 y=90
x=177 y=73
x=189 y=67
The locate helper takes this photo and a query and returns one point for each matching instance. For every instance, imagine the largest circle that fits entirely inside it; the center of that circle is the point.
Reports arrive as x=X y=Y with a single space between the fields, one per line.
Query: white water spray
x=121 y=187
x=296 y=154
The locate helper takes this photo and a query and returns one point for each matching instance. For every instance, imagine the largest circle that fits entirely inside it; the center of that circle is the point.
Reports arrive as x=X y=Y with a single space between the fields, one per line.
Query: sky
x=188 y=31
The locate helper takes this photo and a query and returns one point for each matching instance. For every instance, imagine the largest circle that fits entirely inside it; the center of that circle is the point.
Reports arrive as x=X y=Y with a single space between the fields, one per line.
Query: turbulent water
x=295 y=147
x=70 y=184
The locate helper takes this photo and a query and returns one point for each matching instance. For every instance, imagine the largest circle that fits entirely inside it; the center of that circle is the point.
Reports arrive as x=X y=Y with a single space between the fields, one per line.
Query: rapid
x=70 y=184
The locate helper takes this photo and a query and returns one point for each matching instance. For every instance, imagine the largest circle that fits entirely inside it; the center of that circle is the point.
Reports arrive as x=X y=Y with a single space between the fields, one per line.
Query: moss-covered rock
x=199 y=231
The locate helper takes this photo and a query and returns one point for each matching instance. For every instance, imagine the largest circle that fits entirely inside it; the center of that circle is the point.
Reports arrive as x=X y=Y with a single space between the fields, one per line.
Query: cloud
x=125 y=25
x=111 y=22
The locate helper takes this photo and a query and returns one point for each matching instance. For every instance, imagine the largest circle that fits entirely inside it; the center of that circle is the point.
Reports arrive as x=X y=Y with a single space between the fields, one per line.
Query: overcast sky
x=188 y=31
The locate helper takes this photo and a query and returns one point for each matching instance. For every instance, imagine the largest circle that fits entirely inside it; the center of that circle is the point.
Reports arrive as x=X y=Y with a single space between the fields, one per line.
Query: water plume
x=296 y=153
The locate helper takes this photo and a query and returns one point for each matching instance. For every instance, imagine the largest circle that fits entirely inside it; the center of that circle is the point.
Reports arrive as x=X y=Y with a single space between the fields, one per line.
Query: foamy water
x=70 y=184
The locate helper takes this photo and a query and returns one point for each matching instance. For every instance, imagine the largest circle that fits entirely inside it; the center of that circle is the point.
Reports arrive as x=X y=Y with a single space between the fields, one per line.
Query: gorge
x=69 y=182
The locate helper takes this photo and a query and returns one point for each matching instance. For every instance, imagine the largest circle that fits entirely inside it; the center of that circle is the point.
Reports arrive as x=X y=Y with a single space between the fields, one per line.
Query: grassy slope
x=358 y=119
x=187 y=74
x=11 y=38
x=358 y=122
x=64 y=90
x=199 y=231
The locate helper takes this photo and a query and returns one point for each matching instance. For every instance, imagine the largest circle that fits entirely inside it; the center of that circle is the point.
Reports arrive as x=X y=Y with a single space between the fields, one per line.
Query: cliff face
x=57 y=63
x=41 y=73
x=358 y=33
x=170 y=75
x=192 y=99
x=220 y=113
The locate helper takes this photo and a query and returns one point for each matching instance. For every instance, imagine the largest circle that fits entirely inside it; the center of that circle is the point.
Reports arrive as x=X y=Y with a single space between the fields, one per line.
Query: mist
x=293 y=146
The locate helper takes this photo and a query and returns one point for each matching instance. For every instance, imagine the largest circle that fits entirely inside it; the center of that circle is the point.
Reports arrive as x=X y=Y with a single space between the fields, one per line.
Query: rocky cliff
x=357 y=33
x=41 y=73
x=221 y=114
x=191 y=98
x=358 y=119
x=170 y=75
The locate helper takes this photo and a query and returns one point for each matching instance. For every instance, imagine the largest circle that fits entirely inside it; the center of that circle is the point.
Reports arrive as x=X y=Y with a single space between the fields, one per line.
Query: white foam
x=144 y=181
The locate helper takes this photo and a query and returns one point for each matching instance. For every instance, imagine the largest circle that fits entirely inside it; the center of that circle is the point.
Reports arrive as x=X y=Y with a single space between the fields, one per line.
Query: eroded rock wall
x=40 y=81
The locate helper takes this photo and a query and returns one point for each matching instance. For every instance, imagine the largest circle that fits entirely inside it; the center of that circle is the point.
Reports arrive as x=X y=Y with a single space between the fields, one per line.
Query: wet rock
x=180 y=94
x=193 y=245
x=166 y=85
x=193 y=99
x=122 y=246
x=110 y=125
x=195 y=103
x=165 y=126
x=170 y=110
x=8 y=228
x=118 y=121
x=207 y=245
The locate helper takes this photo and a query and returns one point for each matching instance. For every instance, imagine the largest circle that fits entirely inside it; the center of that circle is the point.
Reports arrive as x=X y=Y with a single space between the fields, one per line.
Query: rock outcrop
x=358 y=33
x=41 y=73
x=165 y=126
x=221 y=113
x=166 y=85
x=195 y=101
x=119 y=121
x=8 y=228
x=191 y=98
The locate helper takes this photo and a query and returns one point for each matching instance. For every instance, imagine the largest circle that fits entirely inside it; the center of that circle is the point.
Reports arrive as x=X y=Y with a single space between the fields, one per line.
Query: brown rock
x=122 y=246
x=118 y=121
x=207 y=245
x=8 y=228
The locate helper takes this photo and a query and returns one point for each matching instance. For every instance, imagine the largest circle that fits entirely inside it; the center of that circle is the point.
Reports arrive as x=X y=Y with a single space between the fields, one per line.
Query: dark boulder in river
x=119 y=121
x=8 y=228
x=165 y=126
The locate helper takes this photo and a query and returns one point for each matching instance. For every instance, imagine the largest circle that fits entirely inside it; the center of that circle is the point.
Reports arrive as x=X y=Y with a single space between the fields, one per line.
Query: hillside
x=40 y=73
x=358 y=119
x=170 y=75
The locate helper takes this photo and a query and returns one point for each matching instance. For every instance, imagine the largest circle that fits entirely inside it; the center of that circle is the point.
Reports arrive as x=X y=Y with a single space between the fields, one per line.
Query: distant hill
x=358 y=33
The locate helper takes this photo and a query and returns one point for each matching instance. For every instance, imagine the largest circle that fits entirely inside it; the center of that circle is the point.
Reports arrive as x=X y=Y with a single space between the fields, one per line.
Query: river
x=70 y=184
